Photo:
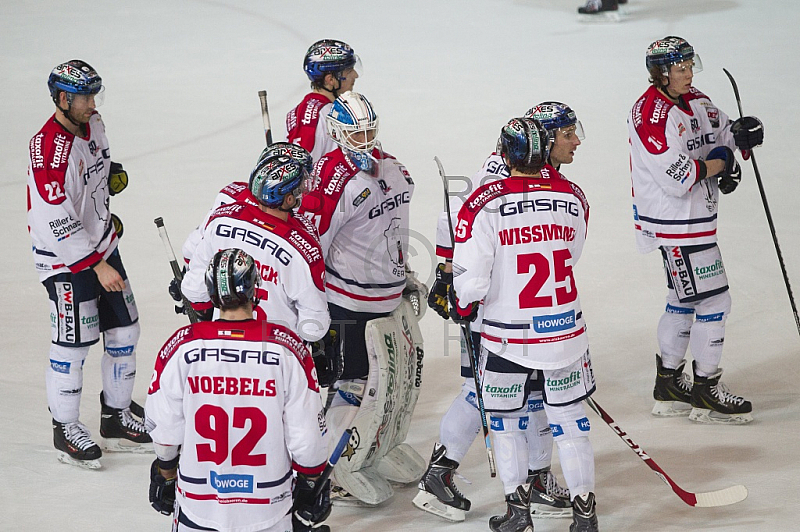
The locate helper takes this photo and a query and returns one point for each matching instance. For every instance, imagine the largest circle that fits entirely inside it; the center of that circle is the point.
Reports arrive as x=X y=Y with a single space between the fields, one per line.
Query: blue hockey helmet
x=232 y=278
x=670 y=50
x=351 y=114
x=556 y=115
x=328 y=56
x=293 y=151
x=276 y=177
x=74 y=77
x=525 y=143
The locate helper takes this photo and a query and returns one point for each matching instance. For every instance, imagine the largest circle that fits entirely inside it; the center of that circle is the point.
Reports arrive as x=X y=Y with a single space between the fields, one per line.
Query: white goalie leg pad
x=119 y=364
x=461 y=423
x=570 y=428
x=540 y=437
x=510 y=447
x=708 y=332
x=64 y=381
x=674 y=328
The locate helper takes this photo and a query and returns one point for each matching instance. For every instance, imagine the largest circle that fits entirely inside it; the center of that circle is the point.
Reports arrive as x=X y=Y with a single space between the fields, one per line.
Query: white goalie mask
x=352 y=123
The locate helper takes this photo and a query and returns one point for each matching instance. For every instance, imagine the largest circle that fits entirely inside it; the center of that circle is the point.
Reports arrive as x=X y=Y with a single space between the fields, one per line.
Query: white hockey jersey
x=306 y=127
x=517 y=241
x=68 y=217
x=242 y=399
x=288 y=256
x=670 y=207
x=363 y=227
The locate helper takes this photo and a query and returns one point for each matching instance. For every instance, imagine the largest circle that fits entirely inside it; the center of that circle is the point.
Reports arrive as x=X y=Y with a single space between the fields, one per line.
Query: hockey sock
x=119 y=365
x=539 y=435
x=571 y=433
x=708 y=332
x=460 y=425
x=673 y=333
x=64 y=381
x=511 y=450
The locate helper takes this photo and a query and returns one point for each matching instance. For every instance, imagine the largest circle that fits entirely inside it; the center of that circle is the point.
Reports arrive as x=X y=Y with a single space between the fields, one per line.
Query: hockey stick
x=707 y=499
x=466 y=330
x=262 y=95
x=766 y=210
x=176 y=270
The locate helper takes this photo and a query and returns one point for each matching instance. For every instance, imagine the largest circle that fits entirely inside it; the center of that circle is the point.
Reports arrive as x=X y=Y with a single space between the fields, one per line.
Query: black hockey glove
x=310 y=509
x=175 y=293
x=162 y=490
x=118 y=227
x=117 y=179
x=748 y=132
x=328 y=358
x=461 y=315
x=729 y=178
x=437 y=298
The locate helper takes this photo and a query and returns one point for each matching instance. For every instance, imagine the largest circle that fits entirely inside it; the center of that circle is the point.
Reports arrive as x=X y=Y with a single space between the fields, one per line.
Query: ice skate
x=438 y=493
x=600 y=11
x=672 y=392
x=548 y=499
x=75 y=445
x=713 y=403
x=584 y=514
x=517 y=517
x=121 y=431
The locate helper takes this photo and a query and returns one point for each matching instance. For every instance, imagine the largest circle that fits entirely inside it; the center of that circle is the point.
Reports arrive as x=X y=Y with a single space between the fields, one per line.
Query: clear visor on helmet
x=84 y=99
x=695 y=64
x=302 y=189
x=573 y=130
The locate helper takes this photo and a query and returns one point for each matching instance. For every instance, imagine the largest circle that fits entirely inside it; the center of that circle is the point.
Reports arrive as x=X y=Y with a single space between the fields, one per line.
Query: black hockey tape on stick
x=176 y=269
x=723 y=497
x=262 y=95
x=467 y=332
x=767 y=211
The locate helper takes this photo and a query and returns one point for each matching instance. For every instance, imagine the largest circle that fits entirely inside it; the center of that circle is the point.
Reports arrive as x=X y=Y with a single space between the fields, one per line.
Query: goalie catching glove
x=162 y=490
x=117 y=179
x=437 y=299
x=328 y=358
x=729 y=178
x=310 y=510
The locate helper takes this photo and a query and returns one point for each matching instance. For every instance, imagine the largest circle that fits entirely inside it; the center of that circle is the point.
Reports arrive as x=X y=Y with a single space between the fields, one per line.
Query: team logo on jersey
x=713 y=115
x=695 y=125
x=93 y=147
x=363 y=195
x=681 y=129
x=231 y=483
x=384 y=187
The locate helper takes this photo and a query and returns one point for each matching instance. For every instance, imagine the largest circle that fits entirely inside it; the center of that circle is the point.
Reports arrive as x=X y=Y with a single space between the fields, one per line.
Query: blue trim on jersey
x=273 y=483
x=364 y=285
x=679 y=310
x=674 y=222
x=501 y=325
x=710 y=317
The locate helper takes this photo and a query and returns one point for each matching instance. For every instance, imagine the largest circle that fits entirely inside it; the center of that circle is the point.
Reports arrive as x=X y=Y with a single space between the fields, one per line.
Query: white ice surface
x=182 y=114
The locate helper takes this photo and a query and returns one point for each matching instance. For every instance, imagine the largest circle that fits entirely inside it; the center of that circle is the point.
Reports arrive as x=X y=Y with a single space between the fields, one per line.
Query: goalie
x=361 y=208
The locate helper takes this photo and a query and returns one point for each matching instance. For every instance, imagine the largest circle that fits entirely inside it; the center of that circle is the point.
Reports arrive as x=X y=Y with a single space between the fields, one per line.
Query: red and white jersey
x=242 y=399
x=363 y=227
x=288 y=257
x=670 y=207
x=493 y=168
x=517 y=240
x=68 y=217
x=305 y=125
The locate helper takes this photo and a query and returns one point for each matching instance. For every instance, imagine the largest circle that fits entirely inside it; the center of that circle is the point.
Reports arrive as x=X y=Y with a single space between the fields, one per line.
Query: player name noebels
x=219 y=385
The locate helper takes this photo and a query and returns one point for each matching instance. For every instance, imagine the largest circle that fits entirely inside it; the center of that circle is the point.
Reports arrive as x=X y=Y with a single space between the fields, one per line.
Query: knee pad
x=568 y=421
x=673 y=331
x=121 y=341
x=64 y=381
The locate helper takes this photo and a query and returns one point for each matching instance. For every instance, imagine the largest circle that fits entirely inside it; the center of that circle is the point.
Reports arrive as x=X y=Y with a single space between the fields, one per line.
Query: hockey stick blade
x=708 y=499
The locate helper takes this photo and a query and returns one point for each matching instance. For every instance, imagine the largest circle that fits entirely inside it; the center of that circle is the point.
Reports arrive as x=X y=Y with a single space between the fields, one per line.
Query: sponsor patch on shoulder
x=363 y=195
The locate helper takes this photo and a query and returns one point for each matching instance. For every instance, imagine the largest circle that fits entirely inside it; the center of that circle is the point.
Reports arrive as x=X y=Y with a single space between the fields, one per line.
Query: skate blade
x=427 y=502
x=121 y=445
x=543 y=511
x=671 y=409
x=703 y=415
x=64 y=458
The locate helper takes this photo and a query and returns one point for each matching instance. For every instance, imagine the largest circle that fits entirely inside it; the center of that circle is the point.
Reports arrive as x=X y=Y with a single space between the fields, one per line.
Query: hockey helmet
x=525 y=143
x=276 y=177
x=293 y=151
x=329 y=56
x=350 y=114
x=74 y=77
x=670 y=50
x=556 y=115
x=232 y=278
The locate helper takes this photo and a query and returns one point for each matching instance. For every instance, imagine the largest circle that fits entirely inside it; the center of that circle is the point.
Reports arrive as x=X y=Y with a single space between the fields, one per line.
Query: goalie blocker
x=376 y=454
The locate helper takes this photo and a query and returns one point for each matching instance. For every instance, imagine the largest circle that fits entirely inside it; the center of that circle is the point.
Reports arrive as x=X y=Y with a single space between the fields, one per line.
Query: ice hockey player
x=461 y=423
x=235 y=403
x=70 y=179
x=286 y=250
x=517 y=350
x=361 y=208
x=333 y=67
x=681 y=159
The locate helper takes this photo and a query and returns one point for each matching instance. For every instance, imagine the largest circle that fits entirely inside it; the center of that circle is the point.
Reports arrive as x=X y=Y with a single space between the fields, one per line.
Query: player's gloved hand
x=310 y=510
x=416 y=292
x=118 y=227
x=175 y=293
x=117 y=179
x=162 y=490
x=328 y=358
x=729 y=178
x=748 y=132
x=461 y=315
x=437 y=298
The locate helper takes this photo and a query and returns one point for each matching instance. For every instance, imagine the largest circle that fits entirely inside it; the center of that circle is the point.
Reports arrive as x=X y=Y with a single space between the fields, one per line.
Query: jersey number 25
x=531 y=296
